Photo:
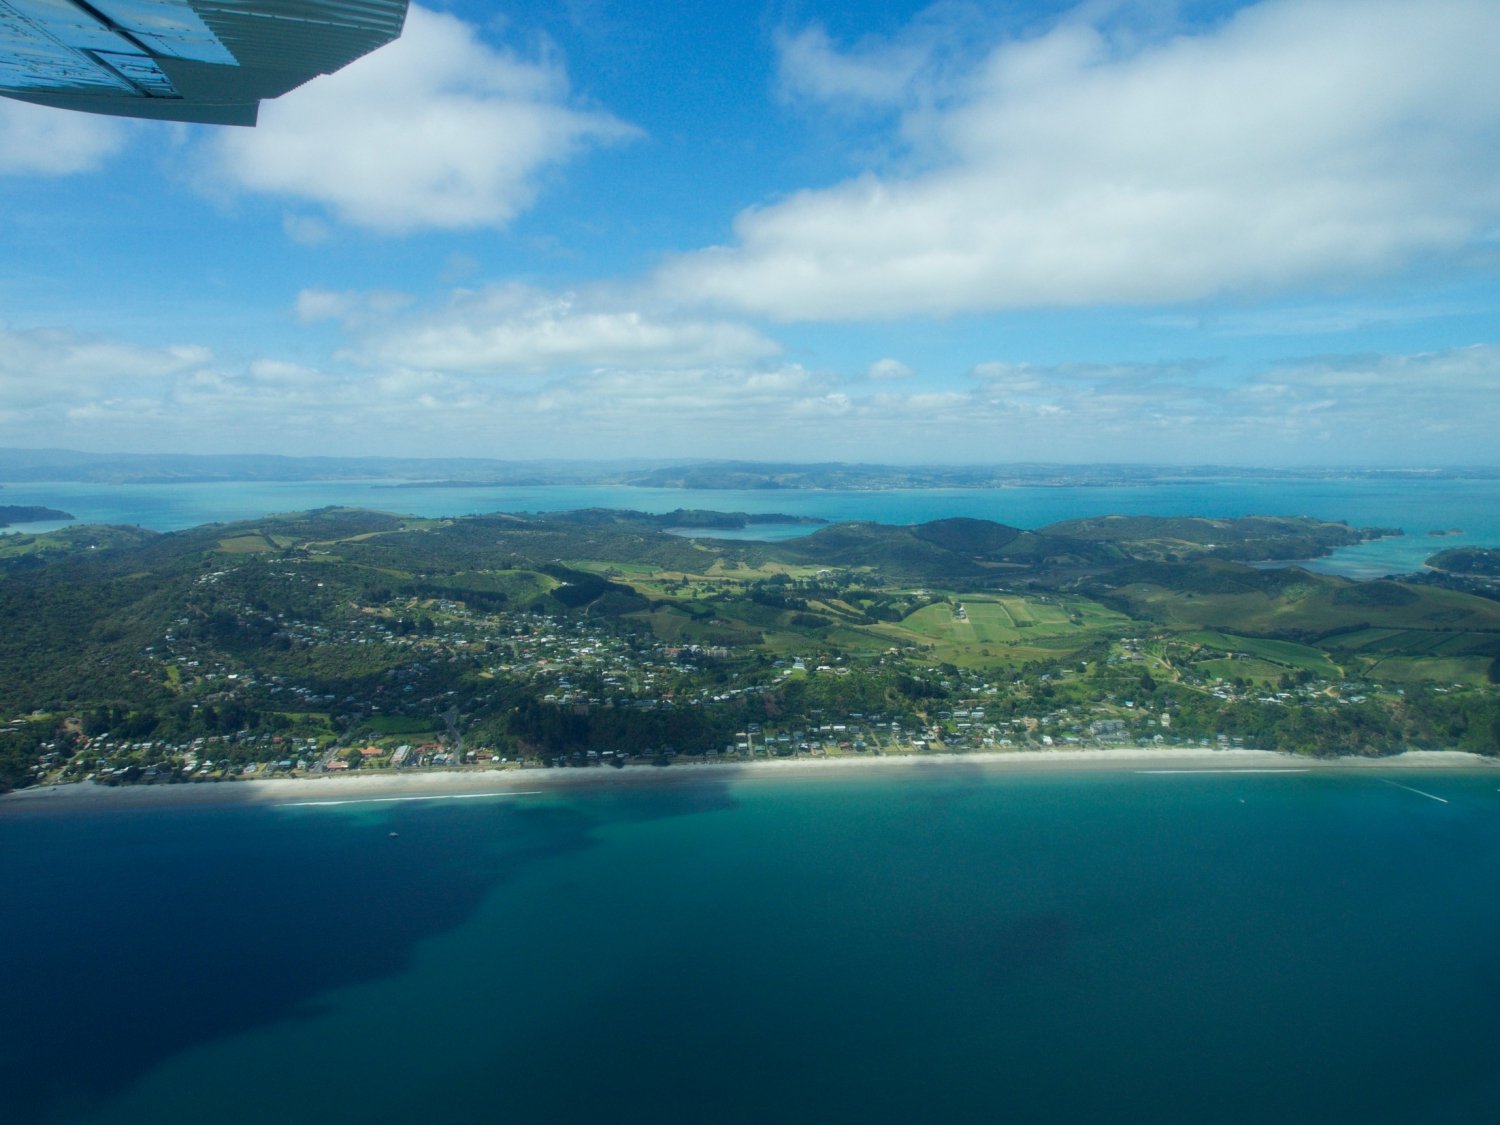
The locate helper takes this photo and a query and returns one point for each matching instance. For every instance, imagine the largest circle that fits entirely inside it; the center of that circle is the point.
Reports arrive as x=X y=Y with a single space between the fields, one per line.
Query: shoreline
x=392 y=786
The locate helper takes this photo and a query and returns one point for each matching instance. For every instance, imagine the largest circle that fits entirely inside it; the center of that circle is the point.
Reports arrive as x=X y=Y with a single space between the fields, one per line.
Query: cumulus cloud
x=875 y=72
x=436 y=130
x=1441 y=402
x=90 y=392
x=887 y=370
x=1435 y=406
x=514 y=328
x=1298 y=143
x=97 y=393
x=38 y=141
x=1001 y=374
x=40 y=364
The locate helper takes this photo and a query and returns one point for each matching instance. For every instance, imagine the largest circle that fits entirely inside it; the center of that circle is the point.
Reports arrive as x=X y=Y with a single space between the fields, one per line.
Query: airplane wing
x=210 y=61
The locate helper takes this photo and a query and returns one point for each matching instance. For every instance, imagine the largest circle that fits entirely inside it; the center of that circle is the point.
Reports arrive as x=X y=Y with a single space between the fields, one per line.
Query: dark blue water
x=944 y=946
x=1414 y=504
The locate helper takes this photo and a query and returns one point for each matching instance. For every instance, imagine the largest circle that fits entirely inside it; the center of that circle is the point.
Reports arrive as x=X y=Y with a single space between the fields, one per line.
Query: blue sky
x=1160 y=232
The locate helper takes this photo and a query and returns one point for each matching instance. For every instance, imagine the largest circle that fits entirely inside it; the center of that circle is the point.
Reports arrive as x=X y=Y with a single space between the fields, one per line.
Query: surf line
x=1418 y=792
x=1294 y=769
x=389 y=800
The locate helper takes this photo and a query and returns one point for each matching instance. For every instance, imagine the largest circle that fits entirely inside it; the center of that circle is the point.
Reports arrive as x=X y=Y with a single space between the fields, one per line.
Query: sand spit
x=392 y=786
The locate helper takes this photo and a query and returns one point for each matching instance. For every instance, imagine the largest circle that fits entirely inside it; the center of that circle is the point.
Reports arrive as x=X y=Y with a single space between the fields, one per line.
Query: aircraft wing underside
x=209 y=61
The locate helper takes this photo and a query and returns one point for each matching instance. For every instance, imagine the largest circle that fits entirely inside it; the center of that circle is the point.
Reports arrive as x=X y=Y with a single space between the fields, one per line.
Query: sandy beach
x=390 y=785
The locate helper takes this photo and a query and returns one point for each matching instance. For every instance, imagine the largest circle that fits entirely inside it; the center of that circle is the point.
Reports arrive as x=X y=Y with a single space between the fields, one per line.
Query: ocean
x=942 y=944
x=1415 y=504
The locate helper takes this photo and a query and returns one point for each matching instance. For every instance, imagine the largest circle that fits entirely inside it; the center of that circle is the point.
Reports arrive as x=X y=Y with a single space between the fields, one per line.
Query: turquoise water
x=944 y=946
x=1416 y=505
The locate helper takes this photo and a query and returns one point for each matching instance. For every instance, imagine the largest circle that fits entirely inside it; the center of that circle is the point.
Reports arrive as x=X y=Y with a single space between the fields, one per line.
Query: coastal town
x=424 y=711
x=340 y=641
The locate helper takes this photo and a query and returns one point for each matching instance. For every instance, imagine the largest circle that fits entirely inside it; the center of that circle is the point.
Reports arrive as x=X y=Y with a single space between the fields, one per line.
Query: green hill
x=1248 y=539
x=1481 y=562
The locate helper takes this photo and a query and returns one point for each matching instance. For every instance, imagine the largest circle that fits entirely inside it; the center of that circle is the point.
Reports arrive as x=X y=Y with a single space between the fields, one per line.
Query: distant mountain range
x=39 y=465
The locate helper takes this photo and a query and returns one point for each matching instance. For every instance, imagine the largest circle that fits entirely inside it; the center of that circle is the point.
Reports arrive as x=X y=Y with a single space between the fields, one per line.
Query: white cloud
x=875 y=72
x=1434 y=406
x=41 y=364
x=1439 y=407
x=353 y=309
x=1300 y=143
x=994 y=373
x=1008 y=378
x=693 y=397
x=1380 y=403
x=39 y=141
x=919 y=65
x=888 y=370
x=513 y=328
x=436 y=130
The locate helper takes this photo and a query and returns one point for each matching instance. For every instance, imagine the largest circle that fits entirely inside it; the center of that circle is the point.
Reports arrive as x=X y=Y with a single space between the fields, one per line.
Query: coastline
x=390 y=786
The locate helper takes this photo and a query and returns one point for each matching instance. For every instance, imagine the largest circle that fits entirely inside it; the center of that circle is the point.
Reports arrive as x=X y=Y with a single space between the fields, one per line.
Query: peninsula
x=29 y=513
x=342 y=641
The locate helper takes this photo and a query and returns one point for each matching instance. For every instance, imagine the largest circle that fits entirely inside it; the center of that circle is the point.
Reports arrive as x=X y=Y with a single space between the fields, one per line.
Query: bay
x=947 y=944
x=1415 y=504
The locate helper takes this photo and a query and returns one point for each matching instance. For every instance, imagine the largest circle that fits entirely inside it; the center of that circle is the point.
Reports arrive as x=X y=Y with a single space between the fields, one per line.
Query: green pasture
x=1417 y=642
x=668 y=623
x=1006 y=630
x=518 y=585
x=856 y=640
x=626 y=570
x=1472 y=670
x=1287 y=654
x=1253 y=668
x=660 y=584
x=251 y=544
x=1358 y=641
x=1320 y=608
x=1421 y=655
x=675 y=626
x=1007 y=620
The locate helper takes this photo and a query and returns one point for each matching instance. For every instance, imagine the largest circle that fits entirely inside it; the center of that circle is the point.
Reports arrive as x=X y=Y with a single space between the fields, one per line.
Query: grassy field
x=1412 y=655
x=1376 y=617
x=251 y=544
x=1005 y=630
x=1417 y=642
x=1284 y=654
x=1472 y=671
x=1259 y=671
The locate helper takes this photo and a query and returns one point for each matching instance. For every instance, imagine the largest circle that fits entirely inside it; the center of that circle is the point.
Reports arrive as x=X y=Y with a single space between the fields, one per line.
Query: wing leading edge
x=208 y=61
